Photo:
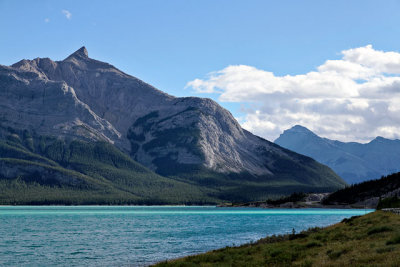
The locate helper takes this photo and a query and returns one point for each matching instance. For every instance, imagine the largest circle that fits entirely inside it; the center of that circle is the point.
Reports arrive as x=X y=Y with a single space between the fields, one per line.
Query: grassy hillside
x=369 y=240
x=44 y=170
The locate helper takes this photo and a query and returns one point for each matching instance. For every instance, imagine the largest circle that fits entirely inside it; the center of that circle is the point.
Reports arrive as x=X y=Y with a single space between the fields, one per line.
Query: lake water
x=138 y=235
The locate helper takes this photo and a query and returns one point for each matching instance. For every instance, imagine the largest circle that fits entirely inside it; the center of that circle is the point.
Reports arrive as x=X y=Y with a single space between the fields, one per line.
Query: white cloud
x=388 y=62
x=66 y=13
x=47 y=20
x=354 y=98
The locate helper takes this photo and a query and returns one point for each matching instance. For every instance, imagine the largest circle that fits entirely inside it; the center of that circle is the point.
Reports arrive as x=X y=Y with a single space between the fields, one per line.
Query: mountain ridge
x=191 y=139
x=355 y=162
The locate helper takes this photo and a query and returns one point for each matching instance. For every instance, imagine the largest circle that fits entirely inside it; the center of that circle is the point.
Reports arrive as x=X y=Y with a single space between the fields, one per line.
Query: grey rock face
x=354 y=162
x=29 y=101
x=83 y=98
x=198 y=131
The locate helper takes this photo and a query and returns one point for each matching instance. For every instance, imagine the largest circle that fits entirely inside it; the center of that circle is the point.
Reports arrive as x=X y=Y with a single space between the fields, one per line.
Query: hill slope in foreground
x=369 y=240
x=166 y=143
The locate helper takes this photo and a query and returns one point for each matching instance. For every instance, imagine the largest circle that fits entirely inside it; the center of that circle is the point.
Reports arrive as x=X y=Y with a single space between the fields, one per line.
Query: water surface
x=140 y=235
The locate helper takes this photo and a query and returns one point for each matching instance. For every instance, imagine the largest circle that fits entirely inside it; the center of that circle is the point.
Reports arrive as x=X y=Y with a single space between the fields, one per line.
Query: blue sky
x=170 y=43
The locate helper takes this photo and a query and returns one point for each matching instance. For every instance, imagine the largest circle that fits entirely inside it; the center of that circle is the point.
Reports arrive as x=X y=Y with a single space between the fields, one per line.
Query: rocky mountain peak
x=81 y=53
x=293 y=134
x=379 y=139
x=86 y=99
x=300 y=129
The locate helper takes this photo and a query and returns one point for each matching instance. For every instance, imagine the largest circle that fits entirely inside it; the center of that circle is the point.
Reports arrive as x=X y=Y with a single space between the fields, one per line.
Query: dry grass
x=370 y=240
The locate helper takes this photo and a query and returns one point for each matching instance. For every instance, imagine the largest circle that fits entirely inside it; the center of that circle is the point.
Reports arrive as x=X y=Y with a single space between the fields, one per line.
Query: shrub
x=333 y=255
x=375 y=230
x=313 y=244
x=394 y=240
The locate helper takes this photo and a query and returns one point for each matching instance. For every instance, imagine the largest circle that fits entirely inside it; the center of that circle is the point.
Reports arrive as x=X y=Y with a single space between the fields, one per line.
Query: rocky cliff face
x=82 y=98
x=197 y=131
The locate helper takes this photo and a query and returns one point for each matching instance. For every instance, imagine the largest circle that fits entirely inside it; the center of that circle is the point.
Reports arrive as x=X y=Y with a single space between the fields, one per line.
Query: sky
x=331 y=66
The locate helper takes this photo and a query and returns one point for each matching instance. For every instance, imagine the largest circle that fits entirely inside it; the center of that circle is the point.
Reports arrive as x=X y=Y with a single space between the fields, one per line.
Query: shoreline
x=331 y=207
x=303 y=201
x=205 y=206
x=246 y=253
x=296 y=206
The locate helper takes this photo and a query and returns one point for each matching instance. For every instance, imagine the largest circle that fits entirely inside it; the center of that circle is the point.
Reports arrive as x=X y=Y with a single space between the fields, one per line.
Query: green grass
x=395 y=240
x=369 y=240
x=379 y=229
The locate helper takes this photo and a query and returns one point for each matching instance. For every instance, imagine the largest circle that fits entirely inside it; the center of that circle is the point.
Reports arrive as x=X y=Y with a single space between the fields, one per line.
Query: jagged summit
x=80 y=53
x=379 y=139
x=81 y=98
x=300 y=129
x=296 y=130
x=382 y=141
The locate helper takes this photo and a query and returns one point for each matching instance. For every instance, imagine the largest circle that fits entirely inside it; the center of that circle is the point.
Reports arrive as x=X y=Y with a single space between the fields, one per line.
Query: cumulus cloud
x=354 y=98
x=47 y=20
x=66 y=13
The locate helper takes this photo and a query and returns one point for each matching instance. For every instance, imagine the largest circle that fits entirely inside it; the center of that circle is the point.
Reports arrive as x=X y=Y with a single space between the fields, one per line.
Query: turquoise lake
x=140 y=235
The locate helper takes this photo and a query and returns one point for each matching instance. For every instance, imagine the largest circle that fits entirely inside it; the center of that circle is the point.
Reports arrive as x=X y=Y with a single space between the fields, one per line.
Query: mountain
x=354 y=162
x=188 y=140
x=48 y=170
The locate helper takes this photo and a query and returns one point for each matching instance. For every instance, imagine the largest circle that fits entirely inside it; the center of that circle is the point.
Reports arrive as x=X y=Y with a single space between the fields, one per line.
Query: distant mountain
x=190 y=140
x=354 y=162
